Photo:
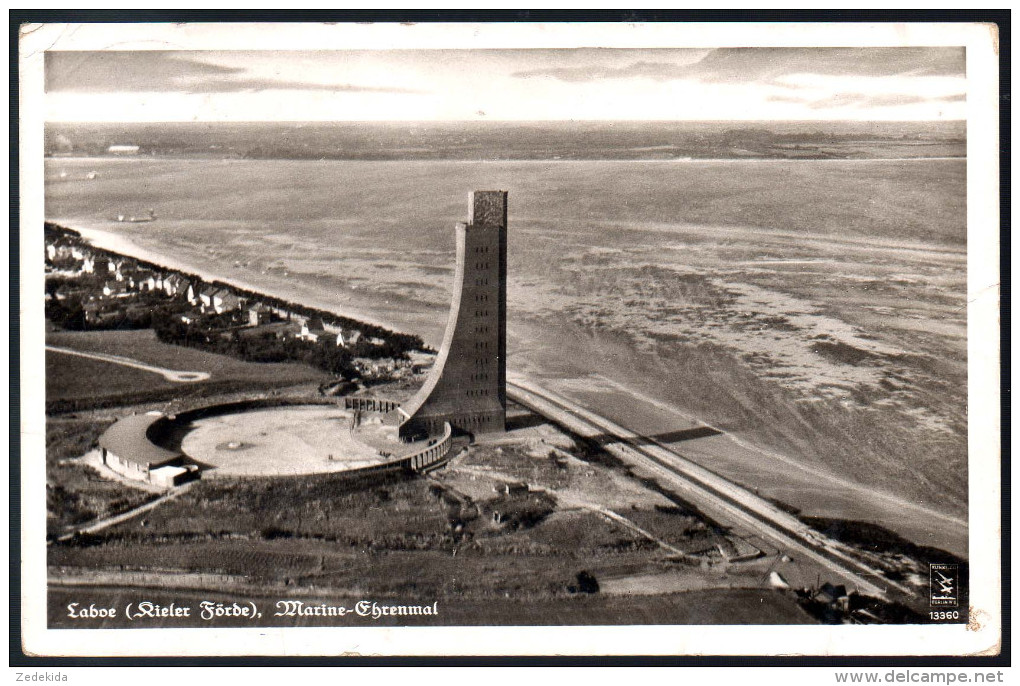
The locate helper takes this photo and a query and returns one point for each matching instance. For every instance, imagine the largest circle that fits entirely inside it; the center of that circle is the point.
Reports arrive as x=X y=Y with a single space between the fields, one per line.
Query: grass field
x=142 y=345
x=74 y=493
x=73 y=378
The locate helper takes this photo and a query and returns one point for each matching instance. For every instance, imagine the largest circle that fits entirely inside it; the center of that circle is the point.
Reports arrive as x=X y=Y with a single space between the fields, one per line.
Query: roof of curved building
x=128 y=439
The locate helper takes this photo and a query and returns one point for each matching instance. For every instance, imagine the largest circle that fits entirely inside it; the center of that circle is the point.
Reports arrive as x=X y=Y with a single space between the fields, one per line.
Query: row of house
x=126 y=277
x=120 y=270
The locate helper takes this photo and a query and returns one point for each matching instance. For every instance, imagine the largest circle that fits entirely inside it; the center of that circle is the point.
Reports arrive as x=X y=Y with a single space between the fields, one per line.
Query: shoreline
x=122 y=245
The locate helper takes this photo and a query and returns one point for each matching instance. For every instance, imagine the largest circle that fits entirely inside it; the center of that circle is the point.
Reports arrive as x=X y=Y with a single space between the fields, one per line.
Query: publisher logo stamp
x=945 y=585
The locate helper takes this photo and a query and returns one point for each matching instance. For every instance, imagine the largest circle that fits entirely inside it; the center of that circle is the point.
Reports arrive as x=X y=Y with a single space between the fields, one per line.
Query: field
x=72 y=377
x=812 y=310
x=74 y=493
x=85 y=381
x=517 y=140
x=392 y=538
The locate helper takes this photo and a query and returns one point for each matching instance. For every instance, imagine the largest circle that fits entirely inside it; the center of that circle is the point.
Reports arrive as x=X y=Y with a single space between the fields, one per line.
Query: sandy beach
x=124 y=246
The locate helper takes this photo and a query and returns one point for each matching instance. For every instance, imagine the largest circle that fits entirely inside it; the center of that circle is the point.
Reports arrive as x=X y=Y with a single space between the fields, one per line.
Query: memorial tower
x=467 y=385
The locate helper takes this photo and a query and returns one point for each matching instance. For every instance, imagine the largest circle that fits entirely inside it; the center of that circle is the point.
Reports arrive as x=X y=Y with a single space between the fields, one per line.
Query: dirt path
x=101 y=524
x=168 y=374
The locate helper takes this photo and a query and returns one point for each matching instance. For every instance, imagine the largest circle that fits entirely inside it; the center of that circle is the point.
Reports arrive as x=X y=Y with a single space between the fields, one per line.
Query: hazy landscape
x=543 y=140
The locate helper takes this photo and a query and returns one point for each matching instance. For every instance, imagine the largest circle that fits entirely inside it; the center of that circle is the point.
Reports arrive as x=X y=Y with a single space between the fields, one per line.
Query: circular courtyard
x=282 y=441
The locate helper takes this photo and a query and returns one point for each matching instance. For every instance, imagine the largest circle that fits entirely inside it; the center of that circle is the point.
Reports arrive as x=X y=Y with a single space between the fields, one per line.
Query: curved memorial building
x=467 y=386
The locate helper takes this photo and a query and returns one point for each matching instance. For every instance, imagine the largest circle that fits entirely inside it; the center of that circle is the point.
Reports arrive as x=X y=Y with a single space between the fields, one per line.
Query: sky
x=763 y=84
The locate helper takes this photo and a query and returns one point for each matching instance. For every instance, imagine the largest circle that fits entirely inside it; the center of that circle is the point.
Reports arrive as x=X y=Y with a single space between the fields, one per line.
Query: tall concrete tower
x=467 y=386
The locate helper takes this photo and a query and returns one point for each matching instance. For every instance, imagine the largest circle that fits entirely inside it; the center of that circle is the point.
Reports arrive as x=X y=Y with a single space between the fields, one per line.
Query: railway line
x=722 y=500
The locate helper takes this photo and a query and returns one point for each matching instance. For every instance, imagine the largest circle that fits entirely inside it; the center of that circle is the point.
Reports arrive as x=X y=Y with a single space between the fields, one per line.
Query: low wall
x=380 y=405
x=427 y=458
x=369 y=404
x=433 y=454
x=188 y=416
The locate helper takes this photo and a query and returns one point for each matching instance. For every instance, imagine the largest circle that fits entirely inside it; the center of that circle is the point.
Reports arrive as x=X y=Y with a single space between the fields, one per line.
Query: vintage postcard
x=509 y=339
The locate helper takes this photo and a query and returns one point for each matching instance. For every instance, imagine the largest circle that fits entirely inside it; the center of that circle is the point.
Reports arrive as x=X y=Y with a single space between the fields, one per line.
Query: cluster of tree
x=264 y=348
x=70 y=315
x=53 y=231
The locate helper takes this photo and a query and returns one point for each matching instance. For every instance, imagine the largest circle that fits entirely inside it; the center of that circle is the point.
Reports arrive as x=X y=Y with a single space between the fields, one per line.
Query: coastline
x=123 y=245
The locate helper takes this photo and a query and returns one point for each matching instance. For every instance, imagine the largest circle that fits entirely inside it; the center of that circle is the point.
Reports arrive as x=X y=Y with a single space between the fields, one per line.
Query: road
x=168 y=374
x=720 y=499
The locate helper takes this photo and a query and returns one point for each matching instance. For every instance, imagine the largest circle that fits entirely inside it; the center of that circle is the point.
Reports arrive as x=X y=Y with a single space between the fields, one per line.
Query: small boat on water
x=137 y=220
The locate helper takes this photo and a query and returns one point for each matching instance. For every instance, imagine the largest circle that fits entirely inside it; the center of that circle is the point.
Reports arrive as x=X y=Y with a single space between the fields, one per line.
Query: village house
x=312 y=330
x=114 y=289
x=512 y=489
x=259 y=314
x=146 y=280
x=59 y=251
x=281 y=313
x=224 y=300
x=65 y=291
x=102 y=265
x=91 y=309
x=205 y=297
x=281 y=330
x=175 y=283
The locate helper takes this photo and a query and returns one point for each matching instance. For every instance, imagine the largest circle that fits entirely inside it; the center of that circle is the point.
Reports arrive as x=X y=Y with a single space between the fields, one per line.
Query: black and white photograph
x=552 y=338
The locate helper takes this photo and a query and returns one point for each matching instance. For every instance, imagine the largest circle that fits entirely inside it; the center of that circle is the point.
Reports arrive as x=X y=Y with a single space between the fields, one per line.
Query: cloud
x=788 y=99
x=235 y=85
x=742 y=65
x=657 y=71
x=126 y=71
x=865 y=100
x=164 y=71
